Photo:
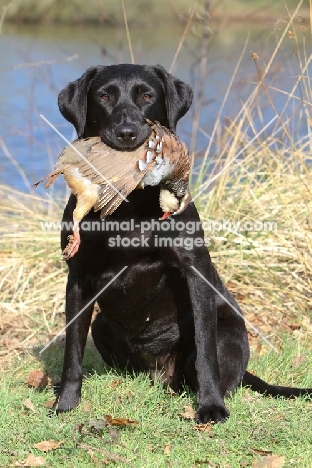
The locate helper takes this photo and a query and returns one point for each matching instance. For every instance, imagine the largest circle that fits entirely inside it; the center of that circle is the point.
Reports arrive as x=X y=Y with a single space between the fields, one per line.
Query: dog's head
x=114 y=101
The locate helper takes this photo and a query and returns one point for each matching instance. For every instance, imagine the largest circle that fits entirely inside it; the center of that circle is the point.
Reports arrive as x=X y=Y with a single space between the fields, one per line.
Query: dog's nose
x=126 y=133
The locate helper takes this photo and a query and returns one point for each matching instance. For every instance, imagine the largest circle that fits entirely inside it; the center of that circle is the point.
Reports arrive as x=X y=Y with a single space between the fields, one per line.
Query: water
x=36 y=63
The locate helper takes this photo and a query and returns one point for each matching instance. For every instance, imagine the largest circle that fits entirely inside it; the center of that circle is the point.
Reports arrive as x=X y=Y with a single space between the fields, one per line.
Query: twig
x=112 y=440
x=15 y=163
x=4 y=12
x=127 y=29
x=111 y=455
x=254 y=93
x=287 y=93
x=214 y=131
x=38 y=64
x=201 y=82
x=183 y=36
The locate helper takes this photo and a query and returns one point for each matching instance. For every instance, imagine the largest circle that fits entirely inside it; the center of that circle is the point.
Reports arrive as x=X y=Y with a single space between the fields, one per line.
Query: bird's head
x=174 y=197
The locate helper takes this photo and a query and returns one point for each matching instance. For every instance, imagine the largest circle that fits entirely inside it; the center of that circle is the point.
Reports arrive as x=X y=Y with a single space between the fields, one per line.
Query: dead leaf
x=189 y=413
x=98 y=424
x=120 y=421
x=249 y=396
x=87 y=407
x=47 y=445
x=31 y=460
x=269 y=461
x=262 y=350
x=29 y=405
x=116 y=383
x=298 y=361
x=203 y=427
x=49 y=404
x=37 y=379
x=167 y=448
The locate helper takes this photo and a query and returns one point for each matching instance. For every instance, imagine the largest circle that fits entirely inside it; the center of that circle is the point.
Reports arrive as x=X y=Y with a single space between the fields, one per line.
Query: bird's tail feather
x=51 y=178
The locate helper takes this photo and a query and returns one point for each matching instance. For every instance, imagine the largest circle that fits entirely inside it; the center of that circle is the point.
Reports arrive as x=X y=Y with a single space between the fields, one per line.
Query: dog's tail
x=258 y=385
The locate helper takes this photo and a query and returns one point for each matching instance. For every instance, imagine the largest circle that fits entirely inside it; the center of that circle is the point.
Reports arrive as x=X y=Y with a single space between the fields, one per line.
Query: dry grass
x=268 y=270
x=32 y=274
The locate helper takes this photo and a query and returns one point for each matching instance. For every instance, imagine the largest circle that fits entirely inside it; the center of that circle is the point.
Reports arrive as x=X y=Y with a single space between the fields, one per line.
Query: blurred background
x=46 y=44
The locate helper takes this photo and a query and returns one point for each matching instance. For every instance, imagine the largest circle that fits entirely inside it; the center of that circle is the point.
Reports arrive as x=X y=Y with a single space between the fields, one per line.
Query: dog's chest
x=141 y=305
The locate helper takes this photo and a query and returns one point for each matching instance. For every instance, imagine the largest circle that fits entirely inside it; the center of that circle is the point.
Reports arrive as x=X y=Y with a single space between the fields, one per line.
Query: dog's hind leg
x=232 y=339
x=233 y=352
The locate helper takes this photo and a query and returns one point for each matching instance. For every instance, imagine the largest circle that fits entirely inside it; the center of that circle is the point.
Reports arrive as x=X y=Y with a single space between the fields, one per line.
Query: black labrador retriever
x=160 y=315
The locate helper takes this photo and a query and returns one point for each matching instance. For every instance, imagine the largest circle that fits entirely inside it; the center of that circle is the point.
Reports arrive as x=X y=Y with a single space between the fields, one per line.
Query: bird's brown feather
x=116 y=173
x=102 y=177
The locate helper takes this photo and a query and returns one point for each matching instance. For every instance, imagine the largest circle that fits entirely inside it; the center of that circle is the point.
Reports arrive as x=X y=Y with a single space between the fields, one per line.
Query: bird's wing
x=180 y=160
x=116 y=172
x=72 y=154
x=175 y=150
x=178 y=154
x=75 y=153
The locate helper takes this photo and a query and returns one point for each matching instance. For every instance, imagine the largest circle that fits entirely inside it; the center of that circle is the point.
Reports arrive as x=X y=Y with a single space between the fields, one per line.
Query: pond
x=37 y=62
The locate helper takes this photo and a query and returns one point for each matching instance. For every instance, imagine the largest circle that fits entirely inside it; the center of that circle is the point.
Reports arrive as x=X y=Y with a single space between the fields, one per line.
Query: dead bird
x=102 y=177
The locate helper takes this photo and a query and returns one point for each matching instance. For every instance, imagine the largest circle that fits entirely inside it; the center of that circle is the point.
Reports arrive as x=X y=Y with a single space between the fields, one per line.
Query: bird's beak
x=184 y=202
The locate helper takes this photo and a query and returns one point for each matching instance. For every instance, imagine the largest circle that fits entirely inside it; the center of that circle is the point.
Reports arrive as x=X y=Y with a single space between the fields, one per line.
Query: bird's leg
x=166 y=215
x=85 y=201
x=73 y=241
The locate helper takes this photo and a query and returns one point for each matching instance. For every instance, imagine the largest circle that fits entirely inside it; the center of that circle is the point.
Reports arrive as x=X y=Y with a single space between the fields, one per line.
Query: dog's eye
x=147 y=96
x=105 y=97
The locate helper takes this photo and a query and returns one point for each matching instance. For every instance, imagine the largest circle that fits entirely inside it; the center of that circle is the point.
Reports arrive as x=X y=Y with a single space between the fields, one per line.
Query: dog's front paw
x=215 y=413
x=63 y=404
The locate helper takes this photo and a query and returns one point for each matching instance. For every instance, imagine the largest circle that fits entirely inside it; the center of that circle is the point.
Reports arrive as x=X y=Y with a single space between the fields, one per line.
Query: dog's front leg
x=76 y=336
x=202 y=297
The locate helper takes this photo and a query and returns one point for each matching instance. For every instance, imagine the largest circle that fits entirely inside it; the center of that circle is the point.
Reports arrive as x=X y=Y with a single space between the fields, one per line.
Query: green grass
x=269 y=272
x=257 y=423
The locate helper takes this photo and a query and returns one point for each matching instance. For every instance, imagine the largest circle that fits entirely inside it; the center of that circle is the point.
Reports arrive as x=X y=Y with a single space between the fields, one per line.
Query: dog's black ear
x=72 y=100
x=178 y=94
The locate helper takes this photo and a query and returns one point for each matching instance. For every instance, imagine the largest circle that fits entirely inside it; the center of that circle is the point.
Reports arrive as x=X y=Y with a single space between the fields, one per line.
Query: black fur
x=158 y=316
